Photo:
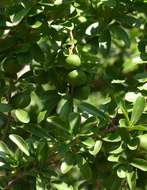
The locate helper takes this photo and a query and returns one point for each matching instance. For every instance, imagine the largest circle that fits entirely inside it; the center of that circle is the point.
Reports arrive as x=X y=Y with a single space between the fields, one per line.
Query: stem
x=72 y=45
x=6 y=129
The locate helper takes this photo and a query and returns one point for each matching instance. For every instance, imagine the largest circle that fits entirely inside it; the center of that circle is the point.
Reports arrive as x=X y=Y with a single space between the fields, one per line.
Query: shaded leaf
x=121 y=34
x=5 y=107
x=88 y=108
x=17 y=17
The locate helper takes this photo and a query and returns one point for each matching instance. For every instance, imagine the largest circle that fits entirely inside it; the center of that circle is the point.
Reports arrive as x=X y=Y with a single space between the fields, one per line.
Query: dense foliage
x=73 y=90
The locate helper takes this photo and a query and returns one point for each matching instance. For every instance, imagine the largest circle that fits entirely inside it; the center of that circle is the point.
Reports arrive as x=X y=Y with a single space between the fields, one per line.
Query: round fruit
x=82 y=92
x=76 y=78
x=73 y=61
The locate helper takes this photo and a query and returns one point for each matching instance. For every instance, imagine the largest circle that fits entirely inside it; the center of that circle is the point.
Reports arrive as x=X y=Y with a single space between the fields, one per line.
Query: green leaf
x=97 y=148
x=37 y=24
x=17 y=17
x=143 y=141
x=42 y=151
x=110 y=3
x=139 y=163
x=133 y=144
x=113 y=158
x=35 y=130
x=65 y=109
x=138 y=108
x=5 y=107
x=89 y=125
x=131 y=96
x=62 y=186
x=22 y=116
x=121 y=34
x=74 y=122
x=140 y=127
x=124 y=110
x=89 y=142
x=65 y=167
x=128 y=20
x=22 y=145
x=115 y=137
x=57 y=122
x=4 y=148
x=131 y=179
x=40 y=183
x=117 y=150
x=41 y=116
x=122 y=171
x=37 y=52
x=86 y=171
x=88 y=108
x=92 y=29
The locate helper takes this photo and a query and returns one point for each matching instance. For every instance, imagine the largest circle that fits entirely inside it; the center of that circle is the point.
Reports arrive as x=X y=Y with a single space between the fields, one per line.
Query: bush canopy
x=73 y=90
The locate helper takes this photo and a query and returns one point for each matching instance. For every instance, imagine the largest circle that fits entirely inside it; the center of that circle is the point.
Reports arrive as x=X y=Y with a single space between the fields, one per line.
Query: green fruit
x=143 y=141
x=76 y=78
x=82 y=92
x=73 y=61
x=21 y=100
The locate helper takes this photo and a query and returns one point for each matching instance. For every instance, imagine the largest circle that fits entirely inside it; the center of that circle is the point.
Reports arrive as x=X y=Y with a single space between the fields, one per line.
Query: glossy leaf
x=138 y=108
x=19 y=141
x=4 y=148
x=139 y=163
x=97 y=148
x=74 y=122
x=131 y=179
x=65 y=167
x=143 y=141
x=122 y=171
x=22 y=116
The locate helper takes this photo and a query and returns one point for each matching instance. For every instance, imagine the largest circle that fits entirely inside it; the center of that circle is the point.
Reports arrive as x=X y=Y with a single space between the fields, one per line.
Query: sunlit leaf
x=19 y=141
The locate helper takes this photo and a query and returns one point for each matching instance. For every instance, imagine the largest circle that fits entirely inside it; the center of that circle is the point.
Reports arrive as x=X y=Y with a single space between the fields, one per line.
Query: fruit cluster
x=76 y=77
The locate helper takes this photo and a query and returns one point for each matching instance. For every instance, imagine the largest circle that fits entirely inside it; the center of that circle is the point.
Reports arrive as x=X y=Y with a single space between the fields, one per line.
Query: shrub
x=73 y=86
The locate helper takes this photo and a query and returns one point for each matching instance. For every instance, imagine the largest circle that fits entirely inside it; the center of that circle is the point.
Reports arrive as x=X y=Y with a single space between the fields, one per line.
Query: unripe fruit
x=73 y=61
x=76 y=78
x=143 y=141
x=82 y=92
